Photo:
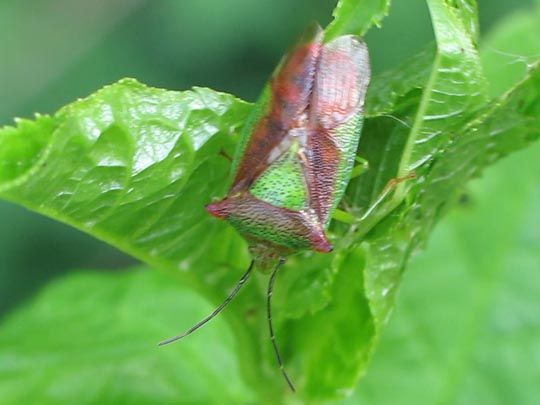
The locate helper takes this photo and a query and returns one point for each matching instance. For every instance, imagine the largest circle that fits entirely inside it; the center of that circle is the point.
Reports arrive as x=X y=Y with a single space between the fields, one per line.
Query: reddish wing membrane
x=341 y=82
x=291 y=89
x=337 y=101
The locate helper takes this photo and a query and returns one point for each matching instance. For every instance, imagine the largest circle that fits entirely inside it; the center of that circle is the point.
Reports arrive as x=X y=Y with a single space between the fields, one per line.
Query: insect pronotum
x=293 y=164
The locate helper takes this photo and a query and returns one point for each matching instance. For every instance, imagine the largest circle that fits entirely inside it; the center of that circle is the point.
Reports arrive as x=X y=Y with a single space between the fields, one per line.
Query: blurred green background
x=56 y=51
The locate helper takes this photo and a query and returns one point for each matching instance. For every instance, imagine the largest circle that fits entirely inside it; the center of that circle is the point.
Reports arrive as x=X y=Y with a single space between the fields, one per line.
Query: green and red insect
x=293 y=164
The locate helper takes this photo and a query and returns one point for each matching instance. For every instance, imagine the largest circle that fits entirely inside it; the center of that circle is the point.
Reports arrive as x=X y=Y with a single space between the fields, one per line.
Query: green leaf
x=467 y=323
x=60 y=348
x=120 y=164
x=356 y=17
x=435 y=104
x=22 y=148
x=468 y=10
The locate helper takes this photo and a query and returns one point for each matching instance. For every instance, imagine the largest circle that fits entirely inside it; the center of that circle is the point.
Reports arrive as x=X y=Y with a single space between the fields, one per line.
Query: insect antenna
x=396 y=119
x=216 y=311
x=269 y=313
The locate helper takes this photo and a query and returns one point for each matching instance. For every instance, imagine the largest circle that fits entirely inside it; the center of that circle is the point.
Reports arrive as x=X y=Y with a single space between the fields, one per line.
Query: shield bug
x=294 y=161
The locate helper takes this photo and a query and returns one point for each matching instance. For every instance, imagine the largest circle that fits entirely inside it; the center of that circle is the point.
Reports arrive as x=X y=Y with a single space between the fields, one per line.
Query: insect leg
x=360 y=168
x=269 y=313
x=225 y=155
x=386 y=190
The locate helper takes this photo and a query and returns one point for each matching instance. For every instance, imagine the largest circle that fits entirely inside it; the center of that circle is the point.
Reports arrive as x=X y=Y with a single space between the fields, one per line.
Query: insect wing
x=290 y=92
x=336 y=117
